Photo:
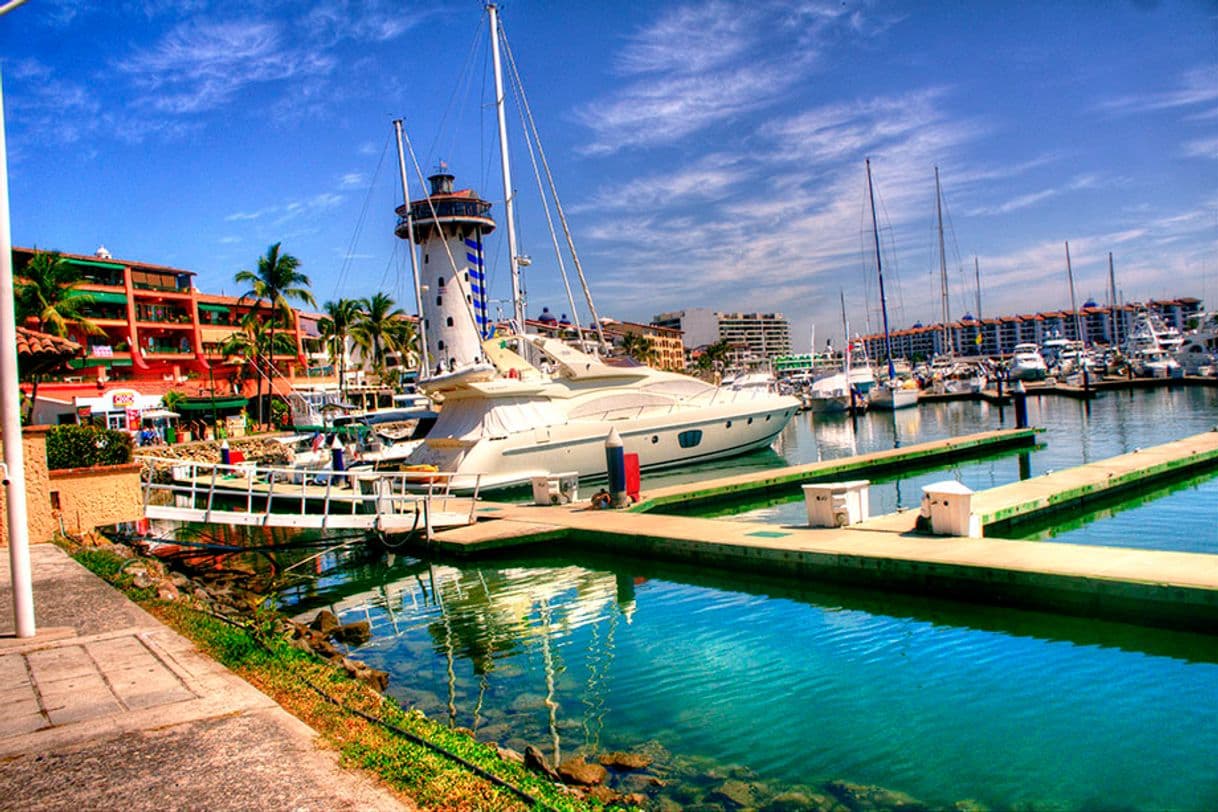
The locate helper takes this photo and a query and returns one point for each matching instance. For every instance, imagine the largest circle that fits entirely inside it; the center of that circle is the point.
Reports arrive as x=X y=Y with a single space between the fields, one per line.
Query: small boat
x=1027 y=364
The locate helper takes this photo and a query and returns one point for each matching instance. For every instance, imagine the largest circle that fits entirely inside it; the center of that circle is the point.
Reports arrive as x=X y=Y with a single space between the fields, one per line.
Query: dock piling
x=1020 y=396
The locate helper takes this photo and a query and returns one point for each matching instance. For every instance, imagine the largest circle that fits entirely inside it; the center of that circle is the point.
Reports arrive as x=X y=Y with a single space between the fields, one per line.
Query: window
x=439 y=301
x=440 y=282
x=450 y=321
x=426 y=258
x=439 y=345
x=655 y=438
x=689 y=439
x=729 y=425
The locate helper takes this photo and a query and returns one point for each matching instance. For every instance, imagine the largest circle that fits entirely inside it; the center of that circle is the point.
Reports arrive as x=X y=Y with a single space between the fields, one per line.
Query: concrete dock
x=1150 y=587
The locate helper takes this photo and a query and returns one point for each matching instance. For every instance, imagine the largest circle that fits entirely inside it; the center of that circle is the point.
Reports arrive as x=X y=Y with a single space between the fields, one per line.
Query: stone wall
x=95 y=497
x=84 y=497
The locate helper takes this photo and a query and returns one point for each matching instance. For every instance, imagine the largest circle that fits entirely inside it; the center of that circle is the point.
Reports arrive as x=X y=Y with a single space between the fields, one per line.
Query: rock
x=508 y=754
x=624 y=761
x=179 y=580
x=798 y=801
x=201 y=595
x=641 y=782
x=166 y=591
x=535 y=761
x=463 y=731
x=354 y=634
x=495 y=732
x=635 y=799
x=325 y=622
x=733 y=794
x=858 y=796
x=326 y=649
x=603 y=794
x=528 y=702
x=140 y=579
x=578 y=771
x=376 y=678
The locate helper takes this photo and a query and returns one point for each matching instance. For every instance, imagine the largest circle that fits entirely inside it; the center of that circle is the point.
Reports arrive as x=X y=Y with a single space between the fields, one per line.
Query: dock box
x=948 y=505
x=556 y=489
x=838 y=504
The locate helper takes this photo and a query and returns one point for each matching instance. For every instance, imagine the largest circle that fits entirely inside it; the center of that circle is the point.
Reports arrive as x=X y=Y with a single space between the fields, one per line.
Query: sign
x=133 y=419
x=123 y=398
x=84 y=413
x=103 y=351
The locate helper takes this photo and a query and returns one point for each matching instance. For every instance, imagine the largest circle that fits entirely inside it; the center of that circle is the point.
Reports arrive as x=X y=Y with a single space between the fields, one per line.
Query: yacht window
x=729 y=425
x=450 y=321
x=440 y=282
x=439 y=301
x=750 y=421
x=439 y=345
x=689 y=439
x=426 y=258
x=655 y=438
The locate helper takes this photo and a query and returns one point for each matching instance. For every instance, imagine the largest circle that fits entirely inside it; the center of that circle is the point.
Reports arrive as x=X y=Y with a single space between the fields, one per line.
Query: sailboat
x=835 y=393
x=516 y=406
x=890 y=394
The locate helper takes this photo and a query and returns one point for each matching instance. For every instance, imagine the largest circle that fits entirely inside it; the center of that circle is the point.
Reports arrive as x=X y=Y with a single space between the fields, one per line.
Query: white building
x=763 y=335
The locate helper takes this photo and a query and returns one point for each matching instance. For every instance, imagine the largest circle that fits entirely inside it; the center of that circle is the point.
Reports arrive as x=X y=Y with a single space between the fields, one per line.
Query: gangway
x=390 y=503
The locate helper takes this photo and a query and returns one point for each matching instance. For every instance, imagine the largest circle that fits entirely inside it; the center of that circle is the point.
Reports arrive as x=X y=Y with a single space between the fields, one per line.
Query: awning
x=155 y=413
x=114 y=266
x=99 y=296
x=207 y=404
x=216 y=334
x=212 y=308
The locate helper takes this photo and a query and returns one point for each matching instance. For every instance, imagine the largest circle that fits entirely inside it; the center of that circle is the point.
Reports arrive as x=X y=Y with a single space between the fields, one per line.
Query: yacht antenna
x=1112 y=301
x=977 y=278
x=424 y=363
x=508 y=195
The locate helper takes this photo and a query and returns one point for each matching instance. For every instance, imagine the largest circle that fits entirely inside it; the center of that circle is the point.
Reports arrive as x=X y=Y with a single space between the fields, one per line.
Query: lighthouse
x=450 y=227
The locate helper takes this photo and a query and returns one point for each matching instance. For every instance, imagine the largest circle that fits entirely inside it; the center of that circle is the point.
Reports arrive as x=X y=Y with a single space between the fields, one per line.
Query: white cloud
x=352 y=180
x=199 y=65
x=1202 y=148
x=1197 y=87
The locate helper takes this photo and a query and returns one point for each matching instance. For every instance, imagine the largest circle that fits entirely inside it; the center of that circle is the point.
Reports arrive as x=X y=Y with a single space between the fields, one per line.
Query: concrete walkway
x=107 y=708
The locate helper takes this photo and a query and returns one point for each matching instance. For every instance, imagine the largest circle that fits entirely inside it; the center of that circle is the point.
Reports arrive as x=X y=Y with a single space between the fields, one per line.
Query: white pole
x=508 y=195
x=424 y=362
x=10 y=412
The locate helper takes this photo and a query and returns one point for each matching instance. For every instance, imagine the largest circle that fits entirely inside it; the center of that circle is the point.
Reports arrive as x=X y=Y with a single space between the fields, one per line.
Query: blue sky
x=708 y=154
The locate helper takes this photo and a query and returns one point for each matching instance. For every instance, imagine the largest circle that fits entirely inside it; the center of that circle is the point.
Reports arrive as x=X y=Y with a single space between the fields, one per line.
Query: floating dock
x=1159 y=588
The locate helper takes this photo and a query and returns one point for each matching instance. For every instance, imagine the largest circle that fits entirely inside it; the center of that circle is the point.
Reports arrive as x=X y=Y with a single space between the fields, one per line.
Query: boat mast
x=879 y=269
x=508 y=195
x=846 y=332
x=424 y=363
x=1078 y=327
x=1112 y=304
x=977 y=278
x=947 y=330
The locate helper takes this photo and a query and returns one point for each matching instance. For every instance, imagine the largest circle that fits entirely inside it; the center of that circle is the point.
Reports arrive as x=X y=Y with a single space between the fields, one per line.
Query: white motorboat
x=830 y=394
x=1198 y=354
x=1027 y=364
x=1151 y=347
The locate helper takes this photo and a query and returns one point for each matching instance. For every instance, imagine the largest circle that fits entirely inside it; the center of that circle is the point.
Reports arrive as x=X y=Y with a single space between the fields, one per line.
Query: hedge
x=84 y=446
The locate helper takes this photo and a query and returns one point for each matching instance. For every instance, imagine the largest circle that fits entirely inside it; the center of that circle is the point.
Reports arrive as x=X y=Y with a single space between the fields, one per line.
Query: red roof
x=32 y=342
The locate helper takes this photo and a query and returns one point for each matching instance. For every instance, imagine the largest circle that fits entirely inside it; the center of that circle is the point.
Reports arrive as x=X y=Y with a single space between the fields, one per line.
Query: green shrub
x=83 y=446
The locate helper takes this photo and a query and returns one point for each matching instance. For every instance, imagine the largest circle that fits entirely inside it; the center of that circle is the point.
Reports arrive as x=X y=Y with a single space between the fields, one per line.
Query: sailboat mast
x=977 y=279
x=509 y=197
x=846 y=333
x=424 y=363
x=1078 y=328
x=947 y=330
x=1112 y=304
x=879 y=269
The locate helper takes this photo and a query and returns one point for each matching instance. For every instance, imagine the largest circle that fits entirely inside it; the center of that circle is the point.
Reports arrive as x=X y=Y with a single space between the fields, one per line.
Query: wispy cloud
x=697 y=66
x=365 y=21
x=1032 y=198
x=1202 y=148
x=1198 y=86
x=199 y=65
x=352 y=180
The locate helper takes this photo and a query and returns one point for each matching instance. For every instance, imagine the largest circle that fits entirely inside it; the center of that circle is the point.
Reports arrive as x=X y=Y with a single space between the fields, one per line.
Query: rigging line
x=545 y=206
x=460 y=91
x=345 y=268
x=579 y=268
x=452 y=262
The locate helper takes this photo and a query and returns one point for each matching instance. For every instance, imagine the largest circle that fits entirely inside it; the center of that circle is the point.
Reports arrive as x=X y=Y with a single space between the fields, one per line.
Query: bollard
x=226 y=457
x=1020 y=396
x=1086 y=380
x=615 y=464
x=336 y=455
x=1000 y=386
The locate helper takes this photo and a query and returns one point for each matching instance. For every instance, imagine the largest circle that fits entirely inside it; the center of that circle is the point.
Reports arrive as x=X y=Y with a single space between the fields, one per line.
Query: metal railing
x=319 y=492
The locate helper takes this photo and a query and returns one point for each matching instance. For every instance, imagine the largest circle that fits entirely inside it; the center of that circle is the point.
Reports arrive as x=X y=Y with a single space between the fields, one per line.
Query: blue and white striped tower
x=454 y=291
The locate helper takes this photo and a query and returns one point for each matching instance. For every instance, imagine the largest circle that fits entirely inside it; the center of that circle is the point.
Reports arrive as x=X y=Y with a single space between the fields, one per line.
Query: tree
x=639 y=347
x=335 y=328
x=715 y=356
x=276 y=281
x=380 y=328
x=47 y=292
x=250 y=343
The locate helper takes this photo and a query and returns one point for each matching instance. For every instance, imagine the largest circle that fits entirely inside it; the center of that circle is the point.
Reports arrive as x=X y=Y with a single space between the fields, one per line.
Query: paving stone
x=13 y=673
x=68 y=662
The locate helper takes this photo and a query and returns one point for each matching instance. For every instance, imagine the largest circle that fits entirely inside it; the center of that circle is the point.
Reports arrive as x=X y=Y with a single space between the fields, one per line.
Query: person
x=601 y=499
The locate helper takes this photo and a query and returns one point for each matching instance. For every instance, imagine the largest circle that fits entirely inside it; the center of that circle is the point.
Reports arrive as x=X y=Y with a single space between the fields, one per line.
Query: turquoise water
x=789 y=683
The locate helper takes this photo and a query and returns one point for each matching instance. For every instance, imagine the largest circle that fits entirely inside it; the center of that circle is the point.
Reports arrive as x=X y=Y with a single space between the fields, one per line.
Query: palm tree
x=379 y=328
x=252 y=341
x=335 y=328
x=47 y=292
x=276 y=281
x=639 y=347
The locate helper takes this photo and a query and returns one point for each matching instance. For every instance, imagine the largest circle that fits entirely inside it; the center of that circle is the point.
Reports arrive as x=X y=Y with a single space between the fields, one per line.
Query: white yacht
x=516 y=406
x=1027 y=364
x=1198 y=355
x=1151 y=347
